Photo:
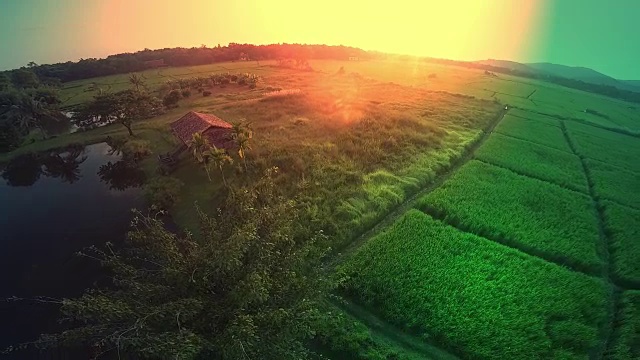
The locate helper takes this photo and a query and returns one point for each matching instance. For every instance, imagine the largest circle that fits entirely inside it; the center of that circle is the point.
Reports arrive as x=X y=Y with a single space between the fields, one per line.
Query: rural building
x=154 y=63
x=214 y=129
x=354 y=58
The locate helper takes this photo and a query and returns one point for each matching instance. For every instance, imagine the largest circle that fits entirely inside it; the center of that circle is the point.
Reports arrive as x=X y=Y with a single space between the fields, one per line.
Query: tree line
x=139 y=61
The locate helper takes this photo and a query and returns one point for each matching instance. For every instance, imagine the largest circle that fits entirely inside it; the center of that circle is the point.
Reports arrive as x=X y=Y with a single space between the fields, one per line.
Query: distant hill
x=570 y=72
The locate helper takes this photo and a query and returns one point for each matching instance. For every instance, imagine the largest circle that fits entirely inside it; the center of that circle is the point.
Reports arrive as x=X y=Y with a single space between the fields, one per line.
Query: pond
x=51 y=206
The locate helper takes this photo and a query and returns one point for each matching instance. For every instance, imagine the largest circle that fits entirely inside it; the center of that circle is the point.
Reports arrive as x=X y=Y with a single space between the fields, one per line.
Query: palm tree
x=219 y=158
x=199 y=147
x=136 y=80
x=242 y=133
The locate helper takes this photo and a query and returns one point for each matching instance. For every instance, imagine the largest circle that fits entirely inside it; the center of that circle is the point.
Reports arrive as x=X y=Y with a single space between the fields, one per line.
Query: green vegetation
x=533 y=160
x=623 y=227
x=529 y=214
x=478 y=298
x=163 y=192
x=626 y=344
x=607 y=146
x=614 y=183
x=536 y=131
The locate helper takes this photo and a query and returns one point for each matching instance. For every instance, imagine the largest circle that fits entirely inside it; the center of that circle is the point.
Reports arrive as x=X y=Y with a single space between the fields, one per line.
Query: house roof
x=194 y=122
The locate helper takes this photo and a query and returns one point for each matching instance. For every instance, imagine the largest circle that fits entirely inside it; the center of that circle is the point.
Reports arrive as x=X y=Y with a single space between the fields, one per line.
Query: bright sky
x=591 y=33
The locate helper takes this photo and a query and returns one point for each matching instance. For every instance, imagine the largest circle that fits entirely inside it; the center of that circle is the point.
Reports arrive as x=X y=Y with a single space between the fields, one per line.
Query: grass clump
x=533 y=160
x=477 y=298
x=537 y=131
x=532 y=215
x=614 y=183
x=623 y=227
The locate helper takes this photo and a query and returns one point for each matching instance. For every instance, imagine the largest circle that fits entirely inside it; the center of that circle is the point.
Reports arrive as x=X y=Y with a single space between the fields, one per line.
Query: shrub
x=206 y=93
x=233 y=78
x=242 y=81
x=136 y=150
x=172 y=98
x=252 y=86
x=163 y=191
x=186 y=93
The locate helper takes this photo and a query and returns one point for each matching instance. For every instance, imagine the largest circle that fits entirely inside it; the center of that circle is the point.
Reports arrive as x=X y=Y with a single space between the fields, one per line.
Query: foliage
x=163 y=191
x=136 y=80
x=529 y=214
x=242 y=134
x=218 y=158
x=247 y=287
x=24 y=78
x=623 y=229
x=539 y=132
x=541 y=162
x=478 y=298
x=171 y=99
x=123 y=107
x=206 y=93
x=627 y=336
x=186 y=93
x=121 y=175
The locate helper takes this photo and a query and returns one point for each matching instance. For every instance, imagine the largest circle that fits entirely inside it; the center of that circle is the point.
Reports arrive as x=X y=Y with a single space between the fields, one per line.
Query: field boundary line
x=548 y=257
x=391 y=332
x=531 y=142
x=606 y=333
x=519 y=173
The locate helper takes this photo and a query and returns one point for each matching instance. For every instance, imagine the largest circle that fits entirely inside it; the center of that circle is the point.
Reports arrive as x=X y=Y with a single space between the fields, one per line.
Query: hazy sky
x=593 y=33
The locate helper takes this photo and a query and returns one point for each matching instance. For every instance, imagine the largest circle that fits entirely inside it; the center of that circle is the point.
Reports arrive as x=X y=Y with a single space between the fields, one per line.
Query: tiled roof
x=194 y=122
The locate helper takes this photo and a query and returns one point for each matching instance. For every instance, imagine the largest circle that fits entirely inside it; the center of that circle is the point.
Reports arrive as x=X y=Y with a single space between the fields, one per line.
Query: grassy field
x=530 y=214
x=614 y=183
x=533 y=160
x=535 y=130
x=354 y=145
x=478 y=298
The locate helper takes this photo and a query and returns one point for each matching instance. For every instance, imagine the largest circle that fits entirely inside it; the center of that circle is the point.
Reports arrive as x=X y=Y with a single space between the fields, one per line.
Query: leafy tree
x=5 y=82
x=24 y=79
x=199 y=147
x=136 y=80
x=218 y=158
x=163 y=191
x=247 y=287
x=171 y=99
x=242 y=134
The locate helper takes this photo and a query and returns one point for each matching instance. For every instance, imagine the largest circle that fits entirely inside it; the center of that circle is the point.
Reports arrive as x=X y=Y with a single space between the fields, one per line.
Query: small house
x=214 y=129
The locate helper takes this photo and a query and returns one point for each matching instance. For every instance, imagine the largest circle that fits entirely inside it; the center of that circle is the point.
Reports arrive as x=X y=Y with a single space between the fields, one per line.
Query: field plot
x=623 y=226
x=480 y=299
x=529 y=214
x=533 y=160
x=614 y=183
x=607 y=146
x=534 y=130
x=511 y=88
x=626 y=344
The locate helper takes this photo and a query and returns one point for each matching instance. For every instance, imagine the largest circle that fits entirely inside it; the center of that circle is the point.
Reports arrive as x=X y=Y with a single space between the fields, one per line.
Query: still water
x=51 y=206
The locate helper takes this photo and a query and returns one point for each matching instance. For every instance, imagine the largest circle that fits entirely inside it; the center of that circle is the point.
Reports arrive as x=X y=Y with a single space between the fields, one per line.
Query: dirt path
x=606 y=332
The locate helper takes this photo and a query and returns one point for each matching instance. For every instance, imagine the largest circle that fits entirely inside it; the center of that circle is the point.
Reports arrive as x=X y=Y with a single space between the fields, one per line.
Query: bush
x=171 y=99
x=252 y=86
x=206 y=93
x=233 y=78
x=136 y=150
x=163 y=191
x=186 y=93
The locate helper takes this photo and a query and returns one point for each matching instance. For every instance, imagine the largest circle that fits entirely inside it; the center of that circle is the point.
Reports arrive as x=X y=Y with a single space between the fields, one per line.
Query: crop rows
x=607 y=146
x=532 y=215
x=614 y=183
x=533 y=130
x=478 y=298
x=533 y=160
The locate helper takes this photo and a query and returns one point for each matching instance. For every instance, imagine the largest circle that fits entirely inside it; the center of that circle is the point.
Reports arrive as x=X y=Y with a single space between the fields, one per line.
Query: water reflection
x=121 y=175
x=64 y=164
